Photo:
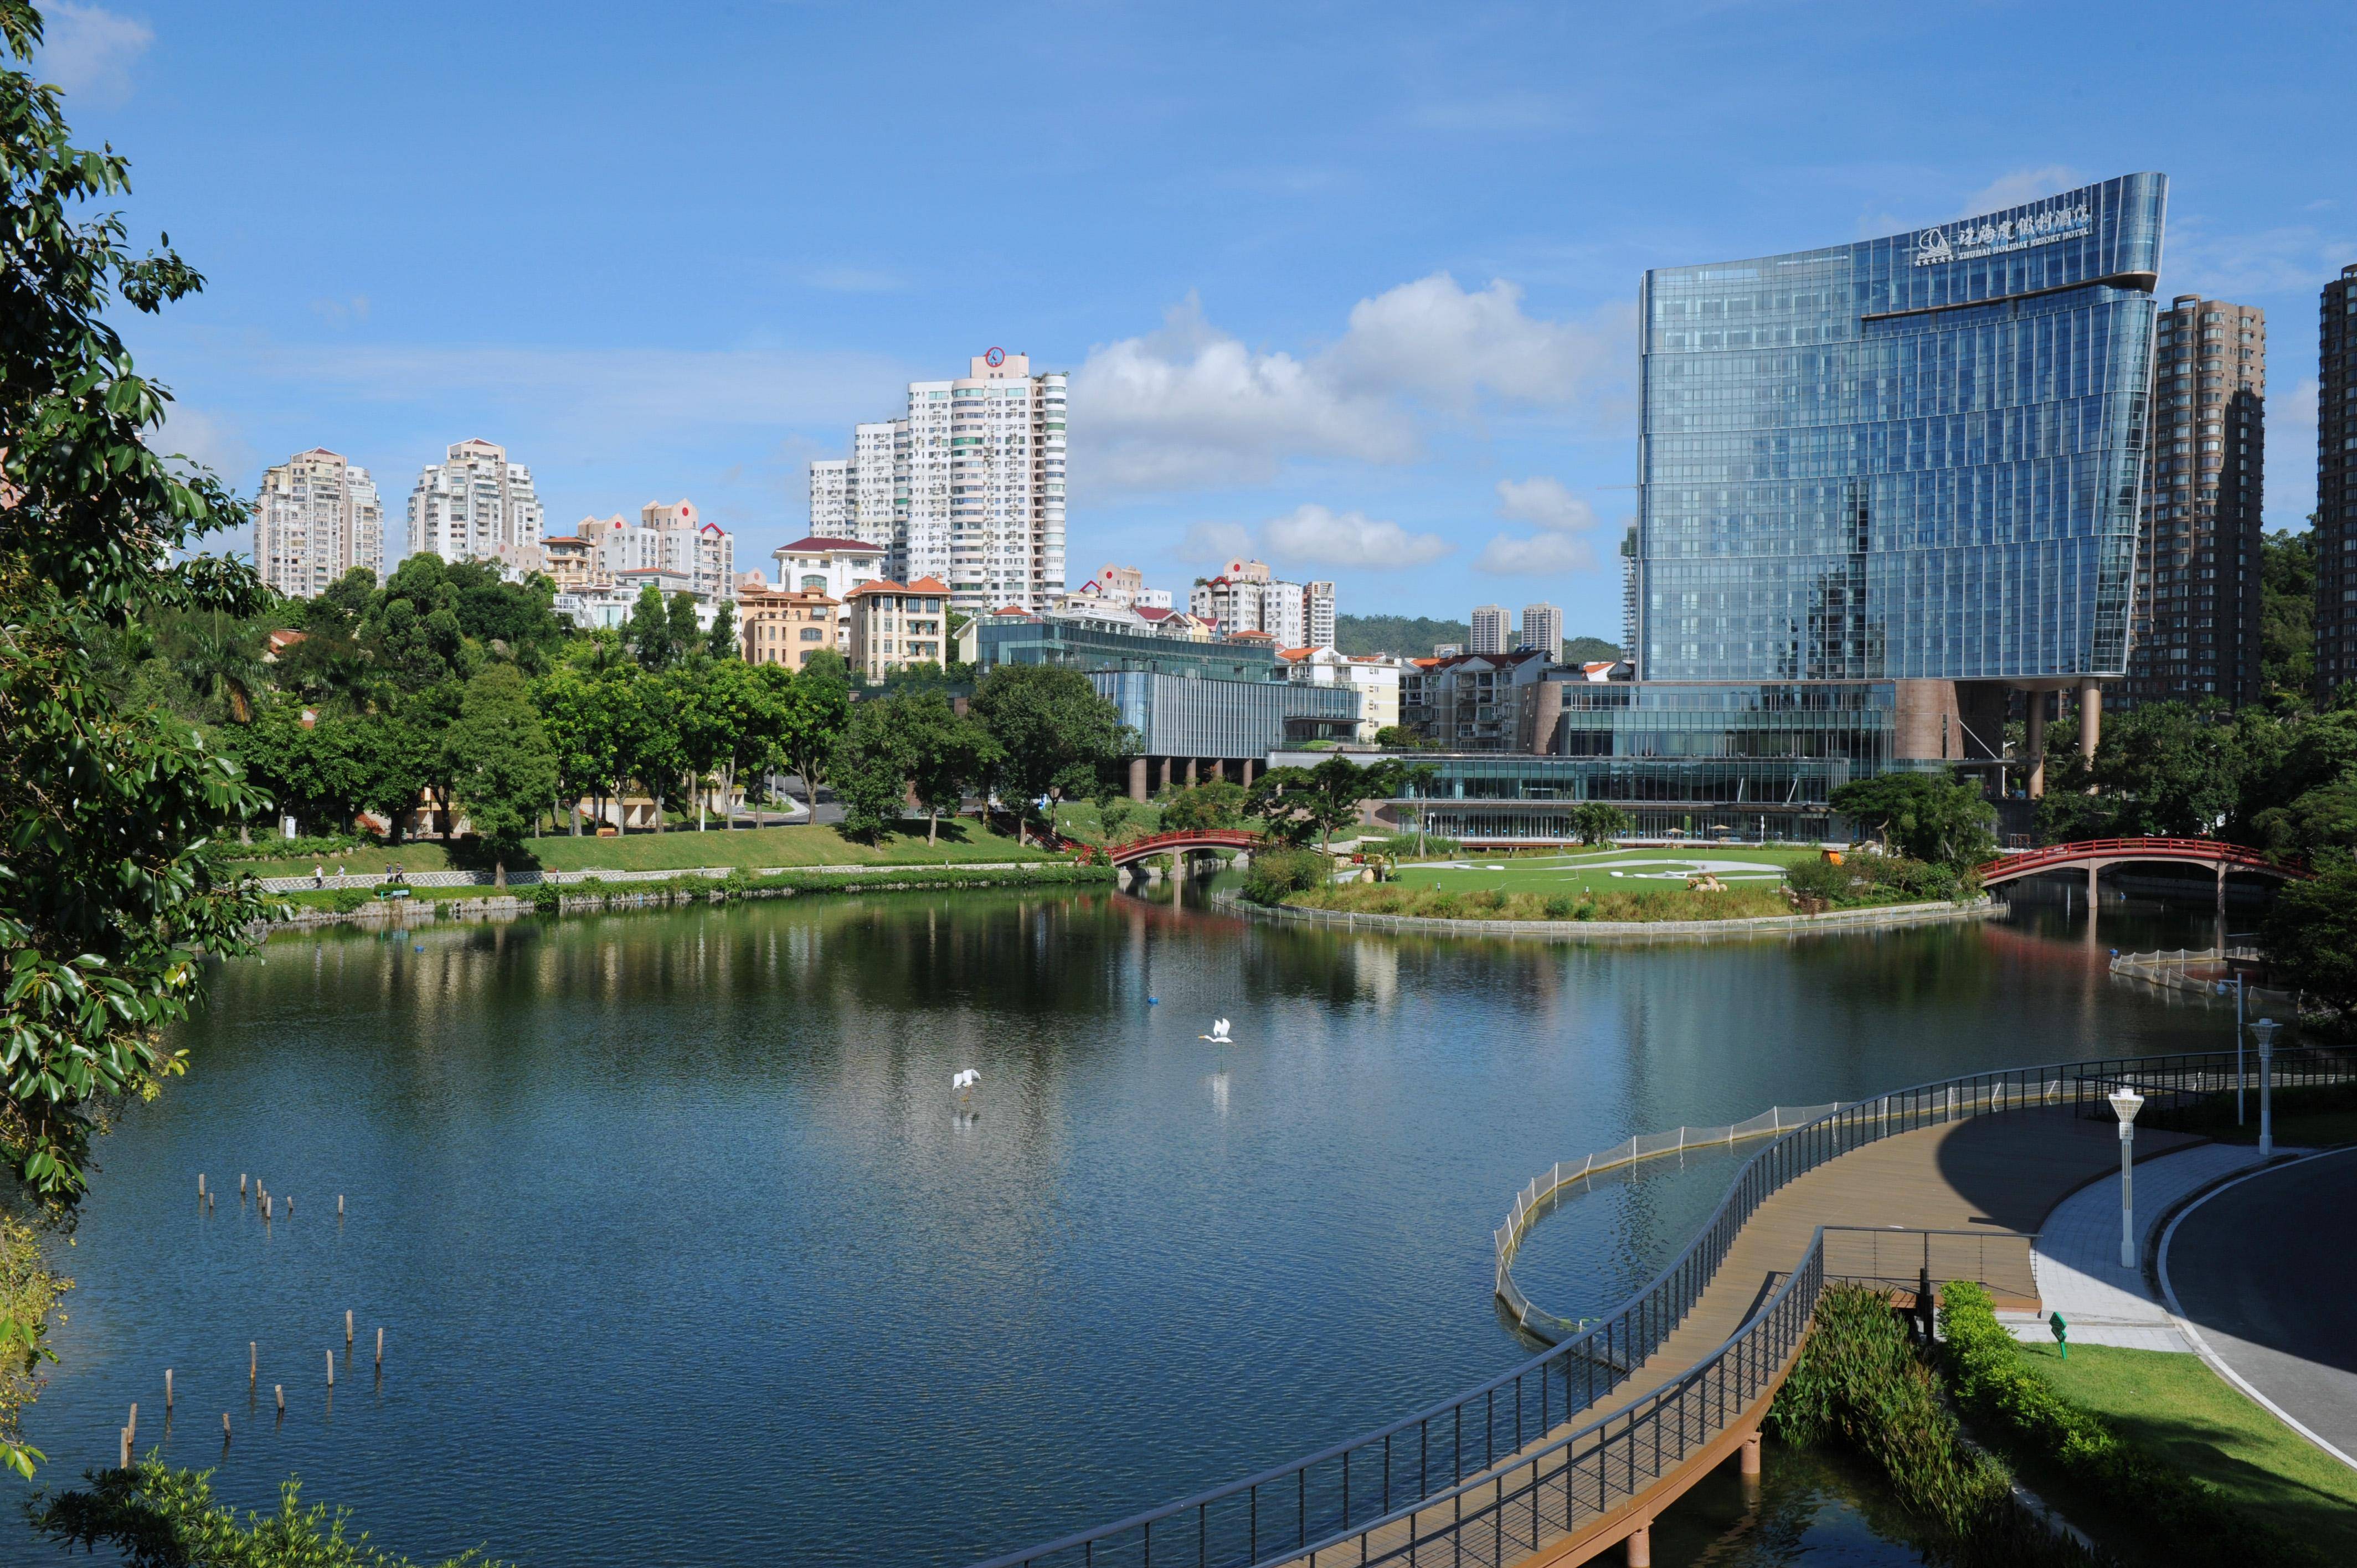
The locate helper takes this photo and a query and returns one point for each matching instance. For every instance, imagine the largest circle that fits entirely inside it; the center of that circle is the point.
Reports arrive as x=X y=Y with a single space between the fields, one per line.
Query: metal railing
x=2208 y=850
x=1895 y=1258
x=1538 y=1196
x=1403 y=1470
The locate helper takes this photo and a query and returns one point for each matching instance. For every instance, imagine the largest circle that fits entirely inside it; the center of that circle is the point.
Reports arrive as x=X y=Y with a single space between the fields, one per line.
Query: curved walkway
x=1995 y=1175
x=2266 y=1271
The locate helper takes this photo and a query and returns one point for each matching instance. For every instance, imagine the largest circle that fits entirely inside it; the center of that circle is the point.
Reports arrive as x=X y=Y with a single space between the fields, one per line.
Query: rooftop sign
x=1984 y=237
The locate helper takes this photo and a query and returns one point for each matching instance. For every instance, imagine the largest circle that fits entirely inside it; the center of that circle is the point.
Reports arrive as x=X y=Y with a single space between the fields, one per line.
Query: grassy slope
x=965 y=840
x=2176 y=1407
x=1592 y=872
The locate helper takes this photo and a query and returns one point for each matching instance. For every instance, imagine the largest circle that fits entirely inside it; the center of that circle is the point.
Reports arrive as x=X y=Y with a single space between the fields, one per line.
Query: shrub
x=1819 y=879
x=344 y=900
x=1275 y=872
x=1559 y=907
x=545 y=898
x=1999 y=1390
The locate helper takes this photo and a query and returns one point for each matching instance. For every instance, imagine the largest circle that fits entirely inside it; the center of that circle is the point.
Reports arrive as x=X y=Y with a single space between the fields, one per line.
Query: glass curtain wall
x=1910 y=458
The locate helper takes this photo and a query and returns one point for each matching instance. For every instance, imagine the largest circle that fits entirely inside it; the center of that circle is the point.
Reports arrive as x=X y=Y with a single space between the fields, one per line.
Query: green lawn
x=1591 y=871
x=2175 y=1407
x=1080 y=819
x=683 y=849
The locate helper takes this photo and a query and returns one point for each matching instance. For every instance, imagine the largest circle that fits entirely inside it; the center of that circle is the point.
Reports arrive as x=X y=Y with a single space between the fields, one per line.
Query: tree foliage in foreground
x=1938 y=818
x=107 y=903
x=155 y=1516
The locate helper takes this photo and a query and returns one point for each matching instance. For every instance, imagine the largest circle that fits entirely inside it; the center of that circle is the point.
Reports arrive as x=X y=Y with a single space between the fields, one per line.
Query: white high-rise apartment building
x=317 y=518
x=830 y=498
x=969 y=488
x=1543 y=630
x=477 y=506
x=1494 y=629
x=668 y=537
x=1284 y=613
x=1317 y=614
x=872 y=517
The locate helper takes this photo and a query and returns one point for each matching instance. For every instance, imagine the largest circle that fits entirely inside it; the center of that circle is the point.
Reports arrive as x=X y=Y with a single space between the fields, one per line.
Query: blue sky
x=1352 y=285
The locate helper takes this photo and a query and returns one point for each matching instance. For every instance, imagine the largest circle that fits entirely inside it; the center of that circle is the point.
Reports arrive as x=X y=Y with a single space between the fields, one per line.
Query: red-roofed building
x=896 y=624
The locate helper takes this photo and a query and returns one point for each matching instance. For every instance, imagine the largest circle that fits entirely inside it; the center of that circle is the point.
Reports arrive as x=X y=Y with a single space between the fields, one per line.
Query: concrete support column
x=1137 y=779
x=1191 y=773
x=1748 y=1469
x=2036 y=745
x=1641 y=1547
x=1164 y=782
x=1248 y=765
x=2091 y=721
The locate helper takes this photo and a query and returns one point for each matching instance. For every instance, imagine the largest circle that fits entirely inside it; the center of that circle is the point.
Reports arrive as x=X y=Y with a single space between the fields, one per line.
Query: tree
x=812 y=716
x=411 y=632
x=648 y=629
x=2288 y=617
x=1299 y=803
x=397 y=759
x=1399 y=737
x=680 y=620
x=946 y=755
x=2311 y=934
x=1053 y=732
x=871 y=769
x=2322 y=820
x=154 y=1515
x=647 y=739
x=110 y=911
x=1599 y=821
x=1939 y=818
x=2172 y=770
x=501 y=768
x=720 y=642
x=576 y=709
x=1214 y=803
x=315 y=770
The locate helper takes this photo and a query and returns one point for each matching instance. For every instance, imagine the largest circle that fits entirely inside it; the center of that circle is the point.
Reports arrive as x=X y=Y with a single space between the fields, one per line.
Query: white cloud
x=2291 y=454
x=1189 y=405
x=1316 y=535
x=1544 y=501
x=2021 y=185
x=1216 y=540
x=2290 y=260
x=209 y=441
x=1540 y=555
x=86 y=50
x=1431 y=337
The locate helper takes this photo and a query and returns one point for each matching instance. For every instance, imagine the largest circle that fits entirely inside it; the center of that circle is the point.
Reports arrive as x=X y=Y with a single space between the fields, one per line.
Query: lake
x=687 y=1253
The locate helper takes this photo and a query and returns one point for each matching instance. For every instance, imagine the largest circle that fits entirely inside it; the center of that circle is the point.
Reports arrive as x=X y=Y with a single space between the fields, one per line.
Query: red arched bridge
x=2093 y=856
x=1179 y=842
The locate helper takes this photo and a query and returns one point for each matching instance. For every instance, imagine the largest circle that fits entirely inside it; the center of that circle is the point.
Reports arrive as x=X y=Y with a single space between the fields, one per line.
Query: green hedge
x=2189 y=1519
x=1277 y=871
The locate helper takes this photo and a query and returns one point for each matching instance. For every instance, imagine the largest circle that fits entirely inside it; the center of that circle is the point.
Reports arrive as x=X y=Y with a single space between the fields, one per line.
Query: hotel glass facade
x=1912 y=457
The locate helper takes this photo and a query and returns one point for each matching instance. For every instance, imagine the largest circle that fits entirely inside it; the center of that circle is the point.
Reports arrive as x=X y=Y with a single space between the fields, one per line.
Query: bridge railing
x=1345 y=1492
x=2158 y=848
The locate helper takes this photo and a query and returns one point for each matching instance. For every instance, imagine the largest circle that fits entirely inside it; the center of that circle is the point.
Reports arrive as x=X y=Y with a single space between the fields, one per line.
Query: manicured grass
x=1080 y=819
x=807 y=845
x=1641 y=870
x=2176 y=1408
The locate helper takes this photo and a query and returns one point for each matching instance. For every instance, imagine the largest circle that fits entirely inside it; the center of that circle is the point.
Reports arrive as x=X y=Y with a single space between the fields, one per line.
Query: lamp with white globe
x=2125 y=1104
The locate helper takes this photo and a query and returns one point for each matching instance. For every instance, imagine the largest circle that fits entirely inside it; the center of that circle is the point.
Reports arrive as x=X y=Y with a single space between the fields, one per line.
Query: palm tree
x=221 y=662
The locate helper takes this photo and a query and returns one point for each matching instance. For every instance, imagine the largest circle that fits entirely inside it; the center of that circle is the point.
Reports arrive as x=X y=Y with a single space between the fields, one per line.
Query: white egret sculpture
x=963 y=1082
x=1218 y=1035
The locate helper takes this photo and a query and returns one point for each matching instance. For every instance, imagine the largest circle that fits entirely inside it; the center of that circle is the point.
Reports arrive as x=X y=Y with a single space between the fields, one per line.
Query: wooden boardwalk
x=1994 y=1174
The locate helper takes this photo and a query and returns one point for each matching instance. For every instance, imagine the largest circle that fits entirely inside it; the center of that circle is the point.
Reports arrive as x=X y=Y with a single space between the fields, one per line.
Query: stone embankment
x=1883 y=917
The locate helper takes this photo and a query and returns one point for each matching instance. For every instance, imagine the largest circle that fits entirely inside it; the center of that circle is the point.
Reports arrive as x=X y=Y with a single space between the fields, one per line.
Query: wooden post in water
x=224 y=1429
x=380 y=1349
x=347 y=1328
x=290 y=1209
x=331 y=1370
x=126 y=1448
x=240 y=1187
x=167 y=1390
x=253 y=1363
x=280 y=1390
x=201 y=1187
x=340 y=1206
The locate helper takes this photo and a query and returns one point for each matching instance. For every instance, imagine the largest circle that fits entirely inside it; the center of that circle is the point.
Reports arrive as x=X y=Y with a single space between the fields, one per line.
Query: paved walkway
x=1987 y=1174
x=2266 y=1272
x=2078 y=1253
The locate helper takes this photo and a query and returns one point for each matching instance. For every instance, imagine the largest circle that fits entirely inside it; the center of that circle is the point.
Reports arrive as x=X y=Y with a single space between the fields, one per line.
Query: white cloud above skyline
x=2021 y=185
x=88 y=51
x=1191 y=406
x=1315 y=535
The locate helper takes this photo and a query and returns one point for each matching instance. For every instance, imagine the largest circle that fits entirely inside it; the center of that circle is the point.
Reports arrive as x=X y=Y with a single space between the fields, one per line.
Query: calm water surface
x=686 y=1254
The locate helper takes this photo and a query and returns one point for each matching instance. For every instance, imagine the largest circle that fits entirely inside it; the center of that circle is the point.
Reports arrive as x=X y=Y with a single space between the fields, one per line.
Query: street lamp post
x=2265 y=1030
x=2124 y=1105
x=2238 y=1045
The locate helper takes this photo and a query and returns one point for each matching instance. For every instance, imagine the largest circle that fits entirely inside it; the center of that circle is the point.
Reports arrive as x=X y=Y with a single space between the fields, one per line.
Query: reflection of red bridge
x=1180 y=843
x=2093 y=854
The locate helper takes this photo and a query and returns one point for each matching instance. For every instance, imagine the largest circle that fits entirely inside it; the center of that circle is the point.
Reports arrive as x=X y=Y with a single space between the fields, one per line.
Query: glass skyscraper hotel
x=1907 y=458
x=1883 y=486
